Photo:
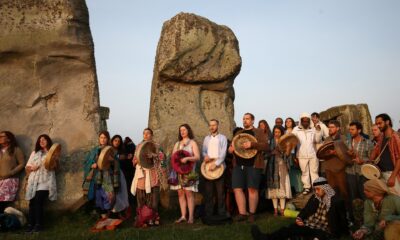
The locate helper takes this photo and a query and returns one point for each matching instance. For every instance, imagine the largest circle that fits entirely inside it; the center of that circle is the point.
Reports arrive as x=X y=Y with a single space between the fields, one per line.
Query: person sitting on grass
x=381 y=212
x=323 y=217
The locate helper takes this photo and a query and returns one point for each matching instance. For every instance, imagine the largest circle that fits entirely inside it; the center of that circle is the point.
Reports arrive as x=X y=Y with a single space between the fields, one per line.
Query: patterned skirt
x=8 y=189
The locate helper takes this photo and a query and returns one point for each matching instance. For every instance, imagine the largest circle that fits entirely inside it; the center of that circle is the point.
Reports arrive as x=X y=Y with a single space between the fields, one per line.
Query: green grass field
x=77 y=226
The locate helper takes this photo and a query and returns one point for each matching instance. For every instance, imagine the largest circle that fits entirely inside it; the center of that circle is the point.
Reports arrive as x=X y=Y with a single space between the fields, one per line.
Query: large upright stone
x=196 y=64
x=345 y=114
x=48 y=82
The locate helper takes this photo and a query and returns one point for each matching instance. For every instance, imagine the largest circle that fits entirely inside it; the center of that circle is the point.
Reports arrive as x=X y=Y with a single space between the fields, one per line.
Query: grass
x=76 y=226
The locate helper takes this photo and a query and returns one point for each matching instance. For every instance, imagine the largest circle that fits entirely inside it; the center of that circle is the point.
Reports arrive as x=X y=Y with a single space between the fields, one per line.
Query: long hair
x=293 y=122
x=48 y=139
x=267 y=128
x=12 y=141
x=120 y=148
x=280 y=128
x=107 y=134
x=189 y=129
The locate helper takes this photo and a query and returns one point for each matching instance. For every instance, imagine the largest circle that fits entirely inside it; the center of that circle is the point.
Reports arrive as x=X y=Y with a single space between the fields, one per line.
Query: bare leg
x=253 y=200
x=240 y=200
x=190 y=203
x=182 y=202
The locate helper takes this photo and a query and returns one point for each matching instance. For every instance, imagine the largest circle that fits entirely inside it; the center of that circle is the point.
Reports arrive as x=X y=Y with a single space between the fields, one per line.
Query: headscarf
x=329 y=192
x=376 y=186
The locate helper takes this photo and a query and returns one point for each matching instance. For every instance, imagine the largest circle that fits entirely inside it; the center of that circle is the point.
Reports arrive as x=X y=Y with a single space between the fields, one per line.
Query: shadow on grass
x=77 y=226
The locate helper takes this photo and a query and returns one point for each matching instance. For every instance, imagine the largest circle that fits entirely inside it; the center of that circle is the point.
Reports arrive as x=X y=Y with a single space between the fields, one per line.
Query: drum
x=237 y=143
x=105 y=158
x=370 y=171
x=146 y=154
x=324 y=151
x=178 y=166
x=342 y=152
x=212 y=175
x=288 y=142
x=52 y=159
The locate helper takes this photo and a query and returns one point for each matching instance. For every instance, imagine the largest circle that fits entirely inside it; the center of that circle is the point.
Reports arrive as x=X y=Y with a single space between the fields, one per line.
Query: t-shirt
x=386 y=163
x=243 y=161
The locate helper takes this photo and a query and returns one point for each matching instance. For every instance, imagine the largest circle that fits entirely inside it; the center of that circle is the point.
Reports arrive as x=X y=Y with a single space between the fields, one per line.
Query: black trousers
x=294 y=231
x=210 y=187
x=36 y=207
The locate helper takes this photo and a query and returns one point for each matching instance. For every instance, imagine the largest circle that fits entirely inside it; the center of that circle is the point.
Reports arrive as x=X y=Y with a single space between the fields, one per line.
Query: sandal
x=190 y=221
x=181 y=220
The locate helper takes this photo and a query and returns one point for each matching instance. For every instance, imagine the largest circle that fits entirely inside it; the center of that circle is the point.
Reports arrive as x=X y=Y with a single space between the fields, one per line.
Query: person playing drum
x=41 y=183
x=246 y=174
x=214 y=151
x=389 y=162
x=186 y=188
x=148 y=180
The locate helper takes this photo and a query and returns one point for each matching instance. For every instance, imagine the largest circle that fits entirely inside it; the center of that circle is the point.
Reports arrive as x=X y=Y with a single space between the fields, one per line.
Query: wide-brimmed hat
x=178 y=166
x=105 y=158
x=52 y=157
x=146 y=154
x=237 y=143
x=211 y=175
x=288 y=142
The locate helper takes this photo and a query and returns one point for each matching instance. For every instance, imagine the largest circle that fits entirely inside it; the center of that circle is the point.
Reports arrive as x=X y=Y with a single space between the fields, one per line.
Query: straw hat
x=211 y=175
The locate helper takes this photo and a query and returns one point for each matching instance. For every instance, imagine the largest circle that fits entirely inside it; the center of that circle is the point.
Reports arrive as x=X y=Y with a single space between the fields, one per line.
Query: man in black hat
x=323 y=217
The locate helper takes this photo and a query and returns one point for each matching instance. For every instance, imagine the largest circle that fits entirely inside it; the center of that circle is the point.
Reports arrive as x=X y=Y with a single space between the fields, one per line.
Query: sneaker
x=306 y=191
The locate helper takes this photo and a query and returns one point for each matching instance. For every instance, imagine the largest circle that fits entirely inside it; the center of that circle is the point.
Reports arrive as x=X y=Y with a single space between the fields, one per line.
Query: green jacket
x=389 y=211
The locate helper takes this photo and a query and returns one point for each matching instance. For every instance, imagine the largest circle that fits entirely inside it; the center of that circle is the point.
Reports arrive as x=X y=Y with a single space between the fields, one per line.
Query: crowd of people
x=337 y=189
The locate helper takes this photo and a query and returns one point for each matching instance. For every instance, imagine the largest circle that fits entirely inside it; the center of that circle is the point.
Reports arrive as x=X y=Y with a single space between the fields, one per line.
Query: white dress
x=41 y=179
x=284 y=190
x=194 y=187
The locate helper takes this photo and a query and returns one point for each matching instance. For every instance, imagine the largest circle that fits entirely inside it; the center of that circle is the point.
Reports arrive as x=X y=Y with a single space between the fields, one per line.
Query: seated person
x=380 y=210
x=323 y=217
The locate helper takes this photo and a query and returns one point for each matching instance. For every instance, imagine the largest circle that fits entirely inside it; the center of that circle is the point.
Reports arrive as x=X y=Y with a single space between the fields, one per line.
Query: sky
x=297 y=56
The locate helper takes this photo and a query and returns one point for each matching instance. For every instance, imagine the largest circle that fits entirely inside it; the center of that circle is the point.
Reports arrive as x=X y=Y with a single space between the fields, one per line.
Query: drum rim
x=254 y=151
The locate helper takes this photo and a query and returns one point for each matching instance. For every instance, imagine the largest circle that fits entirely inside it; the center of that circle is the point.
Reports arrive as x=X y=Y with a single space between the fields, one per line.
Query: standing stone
x=48 y=82
x=196 y=64
x=345 y=114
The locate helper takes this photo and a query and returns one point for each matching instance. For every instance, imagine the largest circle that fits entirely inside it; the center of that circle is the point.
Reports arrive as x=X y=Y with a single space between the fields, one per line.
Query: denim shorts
x=246 y=177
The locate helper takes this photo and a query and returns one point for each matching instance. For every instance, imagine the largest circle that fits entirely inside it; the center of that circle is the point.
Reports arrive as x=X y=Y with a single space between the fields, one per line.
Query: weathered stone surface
x=196 y=64
x=348 y=113
x=48 y=82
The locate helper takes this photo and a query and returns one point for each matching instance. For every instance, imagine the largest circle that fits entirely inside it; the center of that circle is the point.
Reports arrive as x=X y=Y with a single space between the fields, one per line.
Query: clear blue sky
x=297 y=55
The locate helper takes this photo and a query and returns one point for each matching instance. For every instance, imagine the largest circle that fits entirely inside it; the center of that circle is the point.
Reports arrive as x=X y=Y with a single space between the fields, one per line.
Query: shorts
x=246 y=177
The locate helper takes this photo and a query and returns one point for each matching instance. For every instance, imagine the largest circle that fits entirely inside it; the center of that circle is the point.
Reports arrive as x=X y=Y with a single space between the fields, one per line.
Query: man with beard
x=246 y=174
x=214 y=151
x=388 y=147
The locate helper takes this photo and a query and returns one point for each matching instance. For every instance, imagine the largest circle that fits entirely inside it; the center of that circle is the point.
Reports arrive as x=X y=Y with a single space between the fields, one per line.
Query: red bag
x=143 y=216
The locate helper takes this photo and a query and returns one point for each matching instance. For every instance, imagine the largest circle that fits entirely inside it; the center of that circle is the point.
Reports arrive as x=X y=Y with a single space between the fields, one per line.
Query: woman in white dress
x=278 y=181
x=185 y=188
x=41 y=183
